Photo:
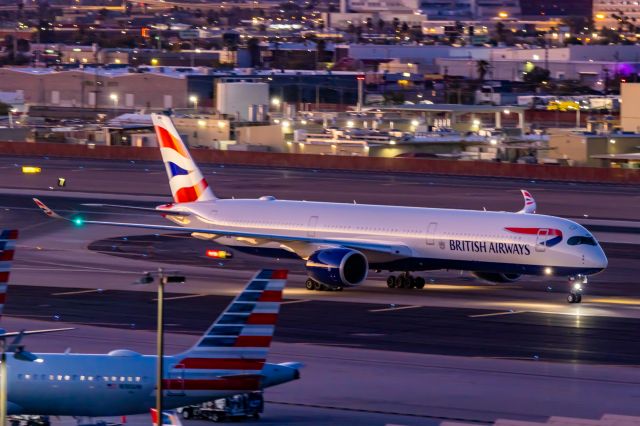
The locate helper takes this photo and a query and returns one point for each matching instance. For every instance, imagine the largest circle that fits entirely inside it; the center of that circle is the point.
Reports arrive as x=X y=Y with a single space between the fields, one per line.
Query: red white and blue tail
x=232 y=353
x=186 y=180
x=529 y=202
x=7 y=247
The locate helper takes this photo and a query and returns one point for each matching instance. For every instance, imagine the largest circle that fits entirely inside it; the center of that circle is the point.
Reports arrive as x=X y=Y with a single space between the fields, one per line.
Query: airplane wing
x=396 y=250
x=144 y=209
x=29 y=332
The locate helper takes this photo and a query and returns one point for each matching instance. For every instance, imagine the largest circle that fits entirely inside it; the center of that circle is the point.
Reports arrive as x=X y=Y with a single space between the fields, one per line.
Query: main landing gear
x=317 y=286
x=577 y=285
x=405 y=280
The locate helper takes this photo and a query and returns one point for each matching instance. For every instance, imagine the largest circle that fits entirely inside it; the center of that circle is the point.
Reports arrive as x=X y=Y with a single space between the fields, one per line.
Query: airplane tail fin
x=7 y=247
x=234 y=349
x=186 y=180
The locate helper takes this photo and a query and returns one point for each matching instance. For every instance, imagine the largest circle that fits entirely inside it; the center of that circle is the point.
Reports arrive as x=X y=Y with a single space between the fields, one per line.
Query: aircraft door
x=541 y=239
x=175 y=386
x=431 y=233
x=313 y=223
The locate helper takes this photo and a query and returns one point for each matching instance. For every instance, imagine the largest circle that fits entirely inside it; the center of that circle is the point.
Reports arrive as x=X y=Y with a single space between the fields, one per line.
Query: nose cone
x=596 y=259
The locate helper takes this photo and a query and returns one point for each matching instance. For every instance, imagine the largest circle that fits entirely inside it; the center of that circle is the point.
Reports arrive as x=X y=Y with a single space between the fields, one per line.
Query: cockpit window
x=579 y=240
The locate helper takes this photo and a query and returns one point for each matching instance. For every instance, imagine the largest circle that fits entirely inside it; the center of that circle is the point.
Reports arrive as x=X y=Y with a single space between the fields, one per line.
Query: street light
x=194 y=100
x=164 y=277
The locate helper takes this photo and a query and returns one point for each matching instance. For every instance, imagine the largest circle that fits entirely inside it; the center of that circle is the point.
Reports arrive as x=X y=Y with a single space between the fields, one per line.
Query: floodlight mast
x=164 y=277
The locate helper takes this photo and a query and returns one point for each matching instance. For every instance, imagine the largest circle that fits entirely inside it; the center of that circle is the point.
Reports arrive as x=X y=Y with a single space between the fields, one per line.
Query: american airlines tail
x=186 y=180
x=232 y=353
x=7 y=247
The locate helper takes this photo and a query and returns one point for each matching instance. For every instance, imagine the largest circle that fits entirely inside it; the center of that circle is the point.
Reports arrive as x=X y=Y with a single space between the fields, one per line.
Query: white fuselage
x=422 y=238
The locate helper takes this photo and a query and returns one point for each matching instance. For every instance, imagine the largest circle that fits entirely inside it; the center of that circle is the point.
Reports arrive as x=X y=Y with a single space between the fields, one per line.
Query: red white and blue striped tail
x=529 y=202
x=169 y=418
x=232 y=352
x=8 y=239
x=186 y=180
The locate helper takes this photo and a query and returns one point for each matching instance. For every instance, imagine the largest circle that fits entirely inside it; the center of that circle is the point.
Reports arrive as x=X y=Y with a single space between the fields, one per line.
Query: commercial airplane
x=340 y=243
x=228 y=359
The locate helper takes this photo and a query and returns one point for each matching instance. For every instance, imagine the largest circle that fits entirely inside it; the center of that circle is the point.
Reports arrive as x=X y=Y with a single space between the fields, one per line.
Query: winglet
x=529 y=203
x=46 y=209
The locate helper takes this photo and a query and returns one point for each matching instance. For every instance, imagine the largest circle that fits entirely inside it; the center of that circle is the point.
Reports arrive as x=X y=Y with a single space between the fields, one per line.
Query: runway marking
x=295 y=301
x=68 y=293
x=495 y=314
x=396 y=308
x=186 y=296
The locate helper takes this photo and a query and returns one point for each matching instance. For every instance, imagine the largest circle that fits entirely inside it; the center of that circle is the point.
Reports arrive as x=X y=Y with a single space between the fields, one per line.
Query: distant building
x=452 y=9
x=603 y=11
x=557 y=7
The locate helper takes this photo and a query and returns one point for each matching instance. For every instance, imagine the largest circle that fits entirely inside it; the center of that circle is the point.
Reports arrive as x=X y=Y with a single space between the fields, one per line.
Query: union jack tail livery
x=7 y=247
x=233 y=351
x=186 y=180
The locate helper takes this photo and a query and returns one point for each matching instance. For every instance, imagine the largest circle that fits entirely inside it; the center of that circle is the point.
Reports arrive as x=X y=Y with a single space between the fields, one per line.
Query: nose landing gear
x=576 y=284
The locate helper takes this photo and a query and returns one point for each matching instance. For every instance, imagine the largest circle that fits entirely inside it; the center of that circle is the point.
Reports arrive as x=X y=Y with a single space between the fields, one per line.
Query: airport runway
x=84 y=275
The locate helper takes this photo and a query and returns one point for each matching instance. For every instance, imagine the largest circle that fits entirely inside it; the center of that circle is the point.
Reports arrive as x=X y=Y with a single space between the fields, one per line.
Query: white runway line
x=495 y=314
x=295 y=301
x=396 y=308
x=186 y=296
x=68 y=293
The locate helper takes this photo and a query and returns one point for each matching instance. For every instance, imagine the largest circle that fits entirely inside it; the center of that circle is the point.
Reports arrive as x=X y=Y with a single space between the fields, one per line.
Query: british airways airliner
x=340 y=243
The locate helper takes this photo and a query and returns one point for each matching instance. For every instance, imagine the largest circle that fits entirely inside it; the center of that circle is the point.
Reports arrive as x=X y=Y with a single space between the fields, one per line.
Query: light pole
x=20 y=354
x=194 y=100
x=164 y=277
x=360 y=78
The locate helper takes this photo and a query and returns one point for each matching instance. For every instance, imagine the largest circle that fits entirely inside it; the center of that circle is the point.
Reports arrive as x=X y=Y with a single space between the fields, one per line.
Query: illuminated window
x=82 y=378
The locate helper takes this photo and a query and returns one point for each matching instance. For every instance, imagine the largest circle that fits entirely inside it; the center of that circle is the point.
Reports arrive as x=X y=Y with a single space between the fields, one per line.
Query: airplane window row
x=83 y=378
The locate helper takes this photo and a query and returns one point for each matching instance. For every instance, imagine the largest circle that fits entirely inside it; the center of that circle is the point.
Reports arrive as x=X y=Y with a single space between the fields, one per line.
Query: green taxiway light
x=78 y=221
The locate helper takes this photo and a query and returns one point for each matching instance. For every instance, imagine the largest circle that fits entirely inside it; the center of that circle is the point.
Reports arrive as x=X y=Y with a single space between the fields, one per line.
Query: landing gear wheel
x=309 y=284
x=215 y=417
x=317 y=286
x=402 y=282
x=339 y=288
x=392 y=282
x=186 y=414
x=574 y=298
x=419 y=283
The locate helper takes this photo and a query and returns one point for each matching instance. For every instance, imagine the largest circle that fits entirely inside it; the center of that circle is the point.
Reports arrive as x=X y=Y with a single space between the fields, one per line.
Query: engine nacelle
x=338 y=267
x=497 y=277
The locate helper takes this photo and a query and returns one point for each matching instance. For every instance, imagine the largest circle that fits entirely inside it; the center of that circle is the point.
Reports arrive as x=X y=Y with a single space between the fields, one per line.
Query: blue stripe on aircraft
x=177 y=170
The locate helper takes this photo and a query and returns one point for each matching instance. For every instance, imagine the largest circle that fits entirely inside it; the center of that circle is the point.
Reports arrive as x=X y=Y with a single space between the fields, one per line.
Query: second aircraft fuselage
x=427 y=238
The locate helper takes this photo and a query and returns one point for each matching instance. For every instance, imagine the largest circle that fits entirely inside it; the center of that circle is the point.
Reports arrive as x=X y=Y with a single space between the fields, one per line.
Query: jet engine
x=338 y=267
x=497 y=277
